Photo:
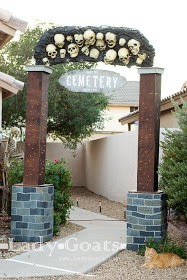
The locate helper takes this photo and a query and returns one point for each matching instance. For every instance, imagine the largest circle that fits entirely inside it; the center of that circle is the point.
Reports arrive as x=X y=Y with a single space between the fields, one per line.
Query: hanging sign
x=92 y=80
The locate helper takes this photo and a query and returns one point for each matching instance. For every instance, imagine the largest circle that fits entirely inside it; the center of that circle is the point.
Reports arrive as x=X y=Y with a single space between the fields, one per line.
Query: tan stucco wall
x=111 y=165
x=167 y=119
x=112 y=115
x=56 y=150
x=106 y=166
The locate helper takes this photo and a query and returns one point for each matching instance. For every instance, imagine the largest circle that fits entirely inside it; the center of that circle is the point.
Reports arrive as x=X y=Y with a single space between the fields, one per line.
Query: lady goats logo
x=73 y=245
x=70 y=244
x=6 y=245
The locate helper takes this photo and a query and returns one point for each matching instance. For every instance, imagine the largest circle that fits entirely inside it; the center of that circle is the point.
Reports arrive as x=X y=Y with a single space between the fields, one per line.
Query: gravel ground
x=91 y=201
x=126 y=265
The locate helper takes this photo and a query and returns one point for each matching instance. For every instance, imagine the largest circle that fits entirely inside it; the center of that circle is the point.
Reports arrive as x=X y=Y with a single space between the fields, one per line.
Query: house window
x=132 y=109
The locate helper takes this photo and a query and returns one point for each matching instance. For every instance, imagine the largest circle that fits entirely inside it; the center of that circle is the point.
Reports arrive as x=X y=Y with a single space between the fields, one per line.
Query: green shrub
x=57 y=174
x=166 y=245
x=15 y=172
x=15 y=176
x=57 y=222
x=173 y=168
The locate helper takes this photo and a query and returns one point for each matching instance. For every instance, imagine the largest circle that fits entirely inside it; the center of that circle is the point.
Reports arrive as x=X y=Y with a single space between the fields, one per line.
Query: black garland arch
x=112 y=40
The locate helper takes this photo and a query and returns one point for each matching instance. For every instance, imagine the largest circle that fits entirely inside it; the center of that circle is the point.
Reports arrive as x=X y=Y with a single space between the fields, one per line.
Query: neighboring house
x=121 y=102
x=9 y=86
x=9 y=25
x=167 y=118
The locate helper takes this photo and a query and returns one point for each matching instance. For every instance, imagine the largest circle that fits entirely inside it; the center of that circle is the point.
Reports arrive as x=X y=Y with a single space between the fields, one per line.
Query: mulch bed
x=181 y=226
x=4 y=226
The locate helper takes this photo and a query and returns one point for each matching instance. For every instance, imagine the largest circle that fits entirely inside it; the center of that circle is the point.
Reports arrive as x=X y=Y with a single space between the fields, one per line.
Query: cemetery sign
x=92 y=80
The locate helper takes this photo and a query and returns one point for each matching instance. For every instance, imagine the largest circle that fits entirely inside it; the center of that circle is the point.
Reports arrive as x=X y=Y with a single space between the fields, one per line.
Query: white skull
x=79 y=40
x=122 y=42
x=85 y=50
x=100 y=44
x=99 y=36
x=62 y=53
x=110 y=56
x=73 y=50
x=123 y=54
x=134 y=46
x=46 y=61
x=141 y=58
x=51 y=50
x=94 y=53
x=59 y=40
x=111 y=39
x=69 y=38
x=15 y=131
x=89 y=37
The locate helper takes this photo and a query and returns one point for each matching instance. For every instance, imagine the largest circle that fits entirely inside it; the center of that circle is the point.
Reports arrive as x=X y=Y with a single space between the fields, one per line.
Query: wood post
x=36 y=125
x=149 y=128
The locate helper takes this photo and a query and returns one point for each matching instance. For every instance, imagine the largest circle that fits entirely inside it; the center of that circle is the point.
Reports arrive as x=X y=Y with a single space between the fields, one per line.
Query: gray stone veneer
x=146 y=218
x=32 y=213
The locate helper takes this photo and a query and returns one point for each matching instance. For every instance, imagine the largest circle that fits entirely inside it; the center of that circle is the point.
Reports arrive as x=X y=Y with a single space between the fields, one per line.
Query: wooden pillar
x=36 y=124
x=149 y=128
x=1 y=100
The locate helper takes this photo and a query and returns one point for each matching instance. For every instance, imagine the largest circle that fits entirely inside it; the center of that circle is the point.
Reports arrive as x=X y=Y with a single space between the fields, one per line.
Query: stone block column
x=32 y=213
x=146 y=207
x=146 y=218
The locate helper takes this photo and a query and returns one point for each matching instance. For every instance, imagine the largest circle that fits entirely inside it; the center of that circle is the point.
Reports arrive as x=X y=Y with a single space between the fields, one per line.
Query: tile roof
x=127 y=94
x=177 y=94
x=173 y=96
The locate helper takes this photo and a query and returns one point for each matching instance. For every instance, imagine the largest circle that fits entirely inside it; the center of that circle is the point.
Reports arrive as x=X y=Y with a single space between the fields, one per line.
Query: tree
x=173 y=168
x=72 y=116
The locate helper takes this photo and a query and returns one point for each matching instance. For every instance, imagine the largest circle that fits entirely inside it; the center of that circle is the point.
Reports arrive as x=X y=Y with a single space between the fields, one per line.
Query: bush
x=57 y=174
x=15 y=172
x=57 y=223
x=166 y=245
x=173 y=168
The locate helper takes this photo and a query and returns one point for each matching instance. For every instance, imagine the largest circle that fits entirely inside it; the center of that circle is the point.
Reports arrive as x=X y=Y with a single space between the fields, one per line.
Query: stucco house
x=121 y=102
x=9 y=25
x=9 y=86
x=167 y=118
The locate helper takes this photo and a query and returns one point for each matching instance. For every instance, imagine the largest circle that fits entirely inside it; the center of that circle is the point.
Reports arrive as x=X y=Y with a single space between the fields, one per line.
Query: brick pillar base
x=146 y=217
x=32 y=213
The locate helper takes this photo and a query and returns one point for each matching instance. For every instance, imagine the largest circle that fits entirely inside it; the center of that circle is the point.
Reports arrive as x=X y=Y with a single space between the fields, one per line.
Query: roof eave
x=6 y=34
x=122 y=104
x=129 y=119
x=9 y=24
x=9 y=85
x=166 y=104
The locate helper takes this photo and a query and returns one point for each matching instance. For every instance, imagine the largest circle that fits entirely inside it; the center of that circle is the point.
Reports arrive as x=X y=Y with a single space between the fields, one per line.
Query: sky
x=163 y=23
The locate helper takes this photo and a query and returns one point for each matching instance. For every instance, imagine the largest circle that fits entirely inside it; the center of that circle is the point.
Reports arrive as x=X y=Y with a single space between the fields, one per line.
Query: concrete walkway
x=79 y=253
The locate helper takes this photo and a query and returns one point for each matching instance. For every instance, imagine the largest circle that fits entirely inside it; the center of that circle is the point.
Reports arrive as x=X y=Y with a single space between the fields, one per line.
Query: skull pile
x=107 y=46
